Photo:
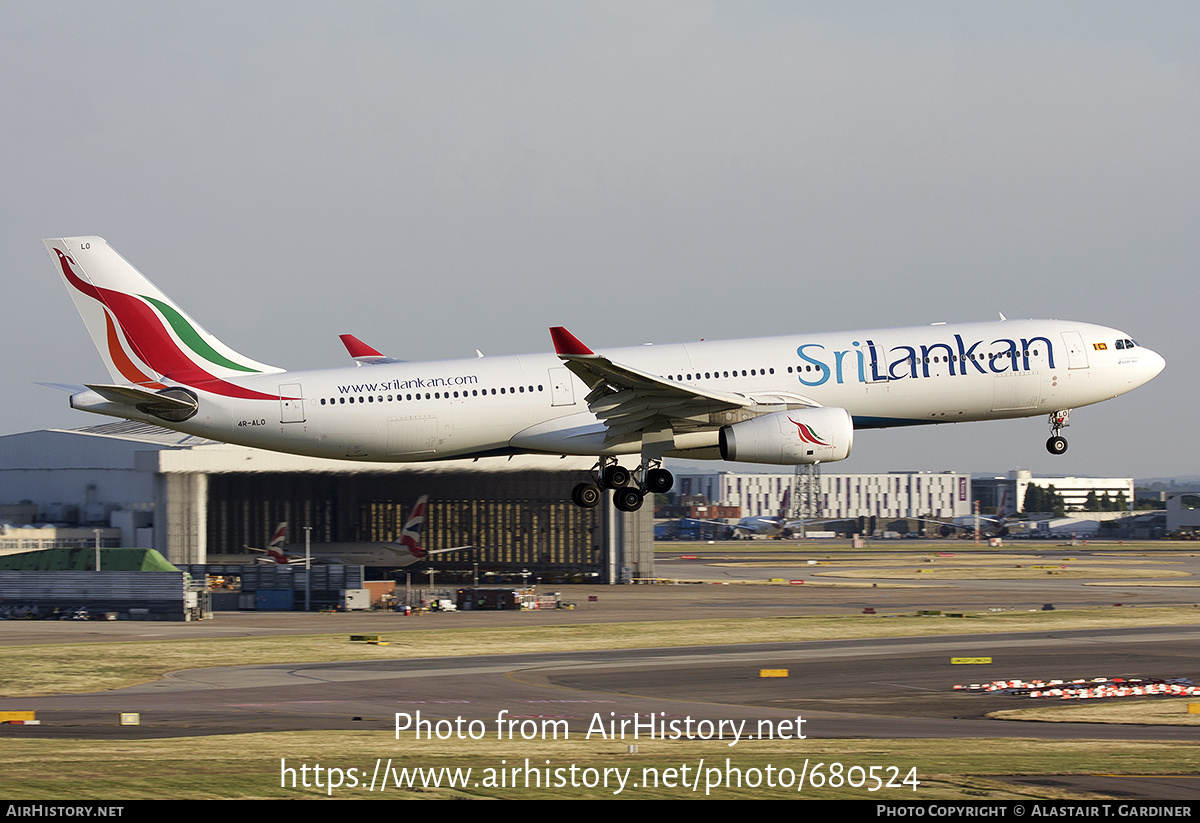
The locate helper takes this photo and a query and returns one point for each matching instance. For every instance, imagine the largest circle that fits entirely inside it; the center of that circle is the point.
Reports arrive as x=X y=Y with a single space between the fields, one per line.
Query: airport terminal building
x=1074 y=490
x=193 y=499
x=892 y=495
x=939 y=495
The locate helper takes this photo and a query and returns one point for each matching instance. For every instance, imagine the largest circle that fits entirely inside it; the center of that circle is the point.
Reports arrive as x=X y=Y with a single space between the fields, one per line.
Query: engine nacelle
x=789 y=438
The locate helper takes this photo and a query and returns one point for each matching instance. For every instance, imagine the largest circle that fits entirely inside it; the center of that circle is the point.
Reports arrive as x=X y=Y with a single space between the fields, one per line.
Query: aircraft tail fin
x=140 y=333
x=410 y=536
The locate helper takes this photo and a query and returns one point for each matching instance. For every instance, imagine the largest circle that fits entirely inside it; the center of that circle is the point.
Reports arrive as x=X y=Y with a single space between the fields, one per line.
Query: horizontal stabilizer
x=174 y=405
x=72 y=388
x=136 y=395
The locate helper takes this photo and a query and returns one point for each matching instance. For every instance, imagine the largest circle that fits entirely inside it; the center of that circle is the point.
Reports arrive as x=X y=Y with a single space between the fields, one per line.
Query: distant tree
x=1038 y=499
x=1033 y=496
x=1057 y=504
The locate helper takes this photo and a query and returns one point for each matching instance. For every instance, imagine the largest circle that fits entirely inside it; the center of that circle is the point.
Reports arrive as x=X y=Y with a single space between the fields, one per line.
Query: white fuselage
x=532 y=403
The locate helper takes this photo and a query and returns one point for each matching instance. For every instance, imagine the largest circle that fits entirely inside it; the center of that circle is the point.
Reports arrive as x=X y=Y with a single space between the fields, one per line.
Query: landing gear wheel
x=627 y=499
x=586 y=495
x=615 y=477
x=1056 y=445
x=659 y=481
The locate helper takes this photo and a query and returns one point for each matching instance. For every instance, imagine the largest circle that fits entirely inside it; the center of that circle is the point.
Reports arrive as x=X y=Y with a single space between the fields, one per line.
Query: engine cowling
x=790 y=438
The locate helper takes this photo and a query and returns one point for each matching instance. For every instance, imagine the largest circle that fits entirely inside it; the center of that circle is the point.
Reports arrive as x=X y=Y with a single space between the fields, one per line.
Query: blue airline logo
x=914 y=361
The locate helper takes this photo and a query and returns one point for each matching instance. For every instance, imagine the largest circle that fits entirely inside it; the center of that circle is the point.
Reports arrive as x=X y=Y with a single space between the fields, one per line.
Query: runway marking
x=903 y=686
x=279 y=703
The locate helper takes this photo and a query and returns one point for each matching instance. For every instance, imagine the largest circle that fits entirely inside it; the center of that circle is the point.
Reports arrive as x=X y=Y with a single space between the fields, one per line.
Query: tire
x=615 y=477
x=627 y=499
x=659 y=481
x=1056 y=445
x=586 y=495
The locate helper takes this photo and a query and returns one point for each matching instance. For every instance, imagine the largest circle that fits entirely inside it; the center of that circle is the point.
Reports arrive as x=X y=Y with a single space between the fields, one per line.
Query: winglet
x=363 y=353
x=566 y=343
x=358 y=348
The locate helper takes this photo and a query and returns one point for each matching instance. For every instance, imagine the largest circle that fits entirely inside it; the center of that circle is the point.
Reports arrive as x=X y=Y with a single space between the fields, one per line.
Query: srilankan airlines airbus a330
x=775 y=400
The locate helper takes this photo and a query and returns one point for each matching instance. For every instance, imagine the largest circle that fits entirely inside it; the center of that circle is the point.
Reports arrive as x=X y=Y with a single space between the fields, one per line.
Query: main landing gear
x=649 y=478
x=1058 y=421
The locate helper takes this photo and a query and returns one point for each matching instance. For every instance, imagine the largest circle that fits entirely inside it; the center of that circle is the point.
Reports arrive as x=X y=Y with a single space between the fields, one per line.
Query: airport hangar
x=193 y=499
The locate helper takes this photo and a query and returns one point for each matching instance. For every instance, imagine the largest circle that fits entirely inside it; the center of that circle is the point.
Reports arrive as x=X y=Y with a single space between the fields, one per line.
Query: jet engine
x=790 y=438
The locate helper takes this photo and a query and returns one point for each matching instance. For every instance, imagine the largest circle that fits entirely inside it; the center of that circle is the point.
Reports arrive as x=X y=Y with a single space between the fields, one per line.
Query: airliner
x=988 y=525
x=777 y=526
x=785 y=400
x=404 y=552
x=274 y=552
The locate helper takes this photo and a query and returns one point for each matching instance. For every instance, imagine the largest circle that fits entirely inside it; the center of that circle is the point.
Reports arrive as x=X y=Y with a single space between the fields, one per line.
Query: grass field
x=255 y=765
x=1140 y=712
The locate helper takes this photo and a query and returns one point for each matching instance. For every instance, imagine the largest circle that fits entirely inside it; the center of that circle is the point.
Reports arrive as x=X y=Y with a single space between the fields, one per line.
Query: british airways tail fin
x=409 y=544
x=140 y=333
x=410 y=536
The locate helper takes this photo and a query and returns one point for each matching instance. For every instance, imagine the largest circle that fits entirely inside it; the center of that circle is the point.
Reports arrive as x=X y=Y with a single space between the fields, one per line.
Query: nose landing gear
x=1058 y=421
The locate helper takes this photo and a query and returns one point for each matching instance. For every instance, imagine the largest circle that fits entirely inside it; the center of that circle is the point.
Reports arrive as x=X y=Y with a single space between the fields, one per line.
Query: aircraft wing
x=988 y=525
x=796 y=525
x=276 y=557
x=452 y=549
x=628 y=399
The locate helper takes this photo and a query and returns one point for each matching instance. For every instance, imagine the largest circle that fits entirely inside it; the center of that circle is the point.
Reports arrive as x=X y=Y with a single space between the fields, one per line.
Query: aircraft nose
x=1151 y=363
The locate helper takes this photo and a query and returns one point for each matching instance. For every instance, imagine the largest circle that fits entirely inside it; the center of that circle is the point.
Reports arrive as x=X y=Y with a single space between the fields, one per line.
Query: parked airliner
x=777 y=400
x=987 y=525
x=404 y=552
